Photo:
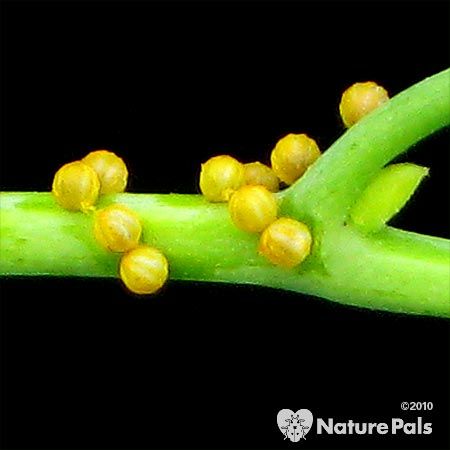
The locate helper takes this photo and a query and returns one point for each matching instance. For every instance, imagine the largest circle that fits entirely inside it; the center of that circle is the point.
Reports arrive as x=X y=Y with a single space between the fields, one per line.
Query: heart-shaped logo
x=295 y=426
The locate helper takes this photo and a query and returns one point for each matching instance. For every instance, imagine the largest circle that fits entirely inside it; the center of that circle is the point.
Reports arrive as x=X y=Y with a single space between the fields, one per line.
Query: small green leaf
x=386 y=195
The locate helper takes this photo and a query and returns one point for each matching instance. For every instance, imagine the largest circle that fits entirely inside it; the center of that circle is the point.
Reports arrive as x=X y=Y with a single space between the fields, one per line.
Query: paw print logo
x=294 y=426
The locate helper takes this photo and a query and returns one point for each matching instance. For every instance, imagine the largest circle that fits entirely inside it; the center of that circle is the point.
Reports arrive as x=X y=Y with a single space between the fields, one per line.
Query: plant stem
x=377 y=271
x=334 y=183
x=386 y=269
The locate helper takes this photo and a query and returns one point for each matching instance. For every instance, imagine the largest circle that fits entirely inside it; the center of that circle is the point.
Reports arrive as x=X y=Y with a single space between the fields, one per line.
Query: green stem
x=377 y=271
x=388 y=269
x=334 y=183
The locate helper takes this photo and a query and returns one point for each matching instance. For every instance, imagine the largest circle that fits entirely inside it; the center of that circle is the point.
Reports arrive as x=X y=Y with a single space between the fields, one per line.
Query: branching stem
x=388 y=269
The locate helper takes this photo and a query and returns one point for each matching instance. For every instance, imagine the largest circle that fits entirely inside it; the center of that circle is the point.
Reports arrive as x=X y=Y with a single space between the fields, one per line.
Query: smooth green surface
x=388 y=269
x=386 y=195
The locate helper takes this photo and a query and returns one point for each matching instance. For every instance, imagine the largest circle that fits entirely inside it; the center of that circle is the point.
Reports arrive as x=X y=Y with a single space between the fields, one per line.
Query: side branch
x=332 y=185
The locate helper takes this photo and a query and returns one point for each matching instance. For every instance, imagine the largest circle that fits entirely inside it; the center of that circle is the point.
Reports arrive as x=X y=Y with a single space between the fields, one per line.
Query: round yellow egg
x=220 y=176
x=359 y=100
x=111 y=170
x=286 y=242
x=117 y=228
x=76 y=186
x=253 y=208
x=144 y=270
x=256 y=173
x=292 y=155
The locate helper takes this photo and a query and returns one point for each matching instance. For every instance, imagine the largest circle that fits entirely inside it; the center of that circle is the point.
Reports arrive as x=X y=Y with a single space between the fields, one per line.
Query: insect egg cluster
x=249 y=189
x=252 y=203
x=143 y=269
x=77 y=187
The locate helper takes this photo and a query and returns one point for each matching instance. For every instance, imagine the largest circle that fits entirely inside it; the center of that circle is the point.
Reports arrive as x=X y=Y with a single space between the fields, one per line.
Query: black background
x=84 y=364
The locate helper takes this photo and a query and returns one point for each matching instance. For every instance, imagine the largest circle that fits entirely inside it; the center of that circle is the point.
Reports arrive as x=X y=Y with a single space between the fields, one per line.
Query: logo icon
x=294 y=426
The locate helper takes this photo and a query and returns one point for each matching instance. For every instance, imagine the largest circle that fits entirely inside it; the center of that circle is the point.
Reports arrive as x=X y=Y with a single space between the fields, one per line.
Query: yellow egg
x=220 y=176
x=256 y=173
x=144 y=270
x=359 y=100
x=253 y=208
x=286 y=242
x=111 y=170
x=76 y=186
x=292 y=155
x=117 y=228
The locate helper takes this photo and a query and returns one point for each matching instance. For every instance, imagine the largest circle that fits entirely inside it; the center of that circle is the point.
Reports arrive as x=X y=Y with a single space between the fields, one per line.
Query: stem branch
x=380 y=269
